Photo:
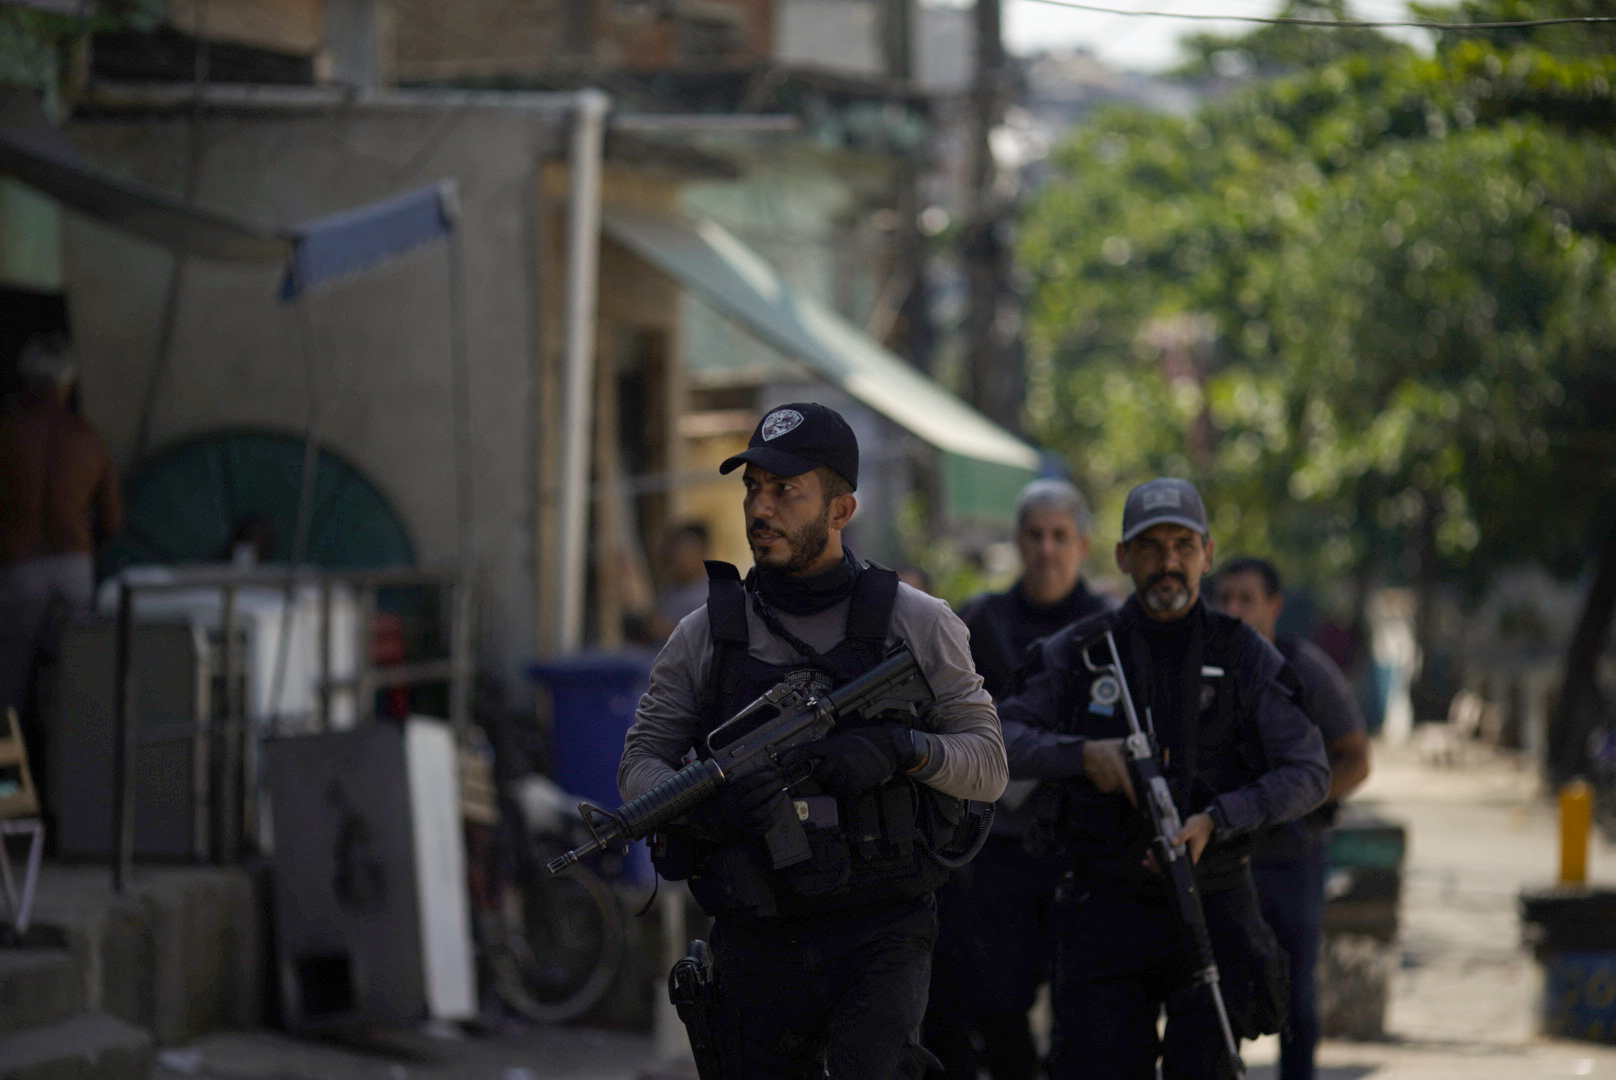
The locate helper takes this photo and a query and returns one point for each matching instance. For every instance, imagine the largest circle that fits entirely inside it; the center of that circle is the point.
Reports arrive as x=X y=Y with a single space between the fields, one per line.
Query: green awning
x=983 y=465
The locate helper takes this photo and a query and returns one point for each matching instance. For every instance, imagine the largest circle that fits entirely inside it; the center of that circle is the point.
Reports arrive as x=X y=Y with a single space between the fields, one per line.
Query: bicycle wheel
x=562 y=941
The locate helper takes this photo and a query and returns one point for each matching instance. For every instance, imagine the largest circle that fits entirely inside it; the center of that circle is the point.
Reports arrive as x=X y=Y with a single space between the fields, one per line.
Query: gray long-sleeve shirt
x=967 y=760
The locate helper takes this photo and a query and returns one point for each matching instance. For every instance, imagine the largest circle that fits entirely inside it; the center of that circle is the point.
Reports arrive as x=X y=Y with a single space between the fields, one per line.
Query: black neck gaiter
x=807 y=595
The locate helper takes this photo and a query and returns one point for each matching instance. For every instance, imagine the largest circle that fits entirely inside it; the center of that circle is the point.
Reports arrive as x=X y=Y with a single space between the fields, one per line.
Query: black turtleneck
x=806 y=595
x=1003 y=624
x=1164 y=663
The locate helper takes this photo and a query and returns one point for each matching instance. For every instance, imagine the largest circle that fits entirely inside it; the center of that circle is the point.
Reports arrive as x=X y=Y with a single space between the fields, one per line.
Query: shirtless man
x=58 y=501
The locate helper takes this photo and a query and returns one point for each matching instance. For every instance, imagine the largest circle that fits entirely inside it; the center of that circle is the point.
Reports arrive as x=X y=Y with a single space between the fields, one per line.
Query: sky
x=1144 y=43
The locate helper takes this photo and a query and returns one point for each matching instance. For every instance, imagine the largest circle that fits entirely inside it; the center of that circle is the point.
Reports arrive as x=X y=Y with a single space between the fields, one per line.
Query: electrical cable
x=168 y=322
x=1341 y=24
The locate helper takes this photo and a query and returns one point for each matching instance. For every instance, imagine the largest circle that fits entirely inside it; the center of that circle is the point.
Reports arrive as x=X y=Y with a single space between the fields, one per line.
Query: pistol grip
x=787 y=839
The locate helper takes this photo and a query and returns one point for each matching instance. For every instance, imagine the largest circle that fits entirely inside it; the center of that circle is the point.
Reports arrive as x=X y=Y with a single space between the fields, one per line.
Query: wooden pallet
x=18 y=799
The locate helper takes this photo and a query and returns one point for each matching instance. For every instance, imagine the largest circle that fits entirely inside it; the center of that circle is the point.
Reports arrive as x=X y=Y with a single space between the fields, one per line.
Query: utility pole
x=897 y=50
x=993 y=319
x=911 y=335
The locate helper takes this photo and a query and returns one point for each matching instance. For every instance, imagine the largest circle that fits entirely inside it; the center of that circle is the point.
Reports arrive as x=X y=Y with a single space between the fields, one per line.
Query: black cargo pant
x=846 y=990
x=995 y=948
x=1121 y=960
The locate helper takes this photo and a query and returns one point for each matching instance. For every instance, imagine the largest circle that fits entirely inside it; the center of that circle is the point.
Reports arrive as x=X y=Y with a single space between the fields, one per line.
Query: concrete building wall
x=639 y=397
x=845 y=36
x=30 y=239
x=292 y=26
x=809 y=216
x=380 y=342
x=457 y=39
x=839 y=35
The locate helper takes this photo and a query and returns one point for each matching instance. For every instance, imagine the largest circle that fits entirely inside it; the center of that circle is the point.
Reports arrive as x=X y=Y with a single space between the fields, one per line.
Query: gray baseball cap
x=1164 y=500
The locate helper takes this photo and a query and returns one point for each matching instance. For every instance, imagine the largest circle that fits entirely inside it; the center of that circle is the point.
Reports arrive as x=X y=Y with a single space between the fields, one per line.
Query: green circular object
x=184 y=502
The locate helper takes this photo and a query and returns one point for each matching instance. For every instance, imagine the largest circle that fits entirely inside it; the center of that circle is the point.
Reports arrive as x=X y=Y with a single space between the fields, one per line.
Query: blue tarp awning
x=352 y=241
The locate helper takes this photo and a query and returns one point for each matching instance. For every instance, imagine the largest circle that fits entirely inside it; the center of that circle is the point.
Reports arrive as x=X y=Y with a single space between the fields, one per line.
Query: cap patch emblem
x=779 y=422
x=1164 y=496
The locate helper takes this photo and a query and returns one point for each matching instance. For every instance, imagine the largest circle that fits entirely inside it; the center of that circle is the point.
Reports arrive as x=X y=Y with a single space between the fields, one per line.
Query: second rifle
x=1156 y=800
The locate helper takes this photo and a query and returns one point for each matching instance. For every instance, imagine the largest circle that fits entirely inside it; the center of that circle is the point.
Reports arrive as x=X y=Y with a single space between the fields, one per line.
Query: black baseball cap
x=797 y=438
x=1165 y=499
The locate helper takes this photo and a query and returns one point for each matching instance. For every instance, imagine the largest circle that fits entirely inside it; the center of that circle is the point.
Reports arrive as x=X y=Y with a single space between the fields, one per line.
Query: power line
x=1351 y=24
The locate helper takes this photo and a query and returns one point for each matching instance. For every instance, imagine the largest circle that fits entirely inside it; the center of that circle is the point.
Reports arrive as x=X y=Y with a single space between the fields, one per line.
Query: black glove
x=857 y=760
x=743 y=808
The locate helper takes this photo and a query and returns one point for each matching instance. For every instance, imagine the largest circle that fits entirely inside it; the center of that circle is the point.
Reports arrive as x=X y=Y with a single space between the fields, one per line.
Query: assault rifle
x=1156 y=800
x=786 y=716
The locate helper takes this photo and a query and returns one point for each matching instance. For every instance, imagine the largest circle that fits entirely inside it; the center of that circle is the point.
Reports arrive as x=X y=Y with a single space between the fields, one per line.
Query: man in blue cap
x=1239 y=756
x=822 y=967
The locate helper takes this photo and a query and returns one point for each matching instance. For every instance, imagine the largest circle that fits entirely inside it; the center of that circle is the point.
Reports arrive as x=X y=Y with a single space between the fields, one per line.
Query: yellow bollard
x=1576 y=818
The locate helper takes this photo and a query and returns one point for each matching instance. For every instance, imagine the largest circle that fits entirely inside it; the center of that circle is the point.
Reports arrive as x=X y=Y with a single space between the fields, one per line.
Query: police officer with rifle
x=1176 y=736
x=818 y=859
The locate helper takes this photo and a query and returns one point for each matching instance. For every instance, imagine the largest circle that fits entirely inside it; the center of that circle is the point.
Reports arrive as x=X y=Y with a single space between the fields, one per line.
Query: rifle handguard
x=672 y=798
x=897 y=680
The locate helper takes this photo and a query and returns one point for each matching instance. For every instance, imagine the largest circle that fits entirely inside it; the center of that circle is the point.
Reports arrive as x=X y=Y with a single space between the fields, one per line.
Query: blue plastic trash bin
x=595 y=694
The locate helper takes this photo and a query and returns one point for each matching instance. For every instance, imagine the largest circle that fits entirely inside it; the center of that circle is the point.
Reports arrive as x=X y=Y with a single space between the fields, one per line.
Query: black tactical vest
x=869 y=848
x=1103 y=835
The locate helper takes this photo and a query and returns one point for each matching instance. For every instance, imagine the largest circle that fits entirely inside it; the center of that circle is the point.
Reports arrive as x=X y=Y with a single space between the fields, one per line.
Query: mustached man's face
x=1166 y=563
x=791 y=527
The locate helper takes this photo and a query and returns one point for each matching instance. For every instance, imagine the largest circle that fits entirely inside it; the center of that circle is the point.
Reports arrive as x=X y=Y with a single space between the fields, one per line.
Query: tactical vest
x=1103 y=835
x=868 y=848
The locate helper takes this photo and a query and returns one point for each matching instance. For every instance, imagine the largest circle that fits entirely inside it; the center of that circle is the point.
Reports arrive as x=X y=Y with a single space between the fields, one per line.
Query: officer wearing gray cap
x=822 y=966
x=1240 y=756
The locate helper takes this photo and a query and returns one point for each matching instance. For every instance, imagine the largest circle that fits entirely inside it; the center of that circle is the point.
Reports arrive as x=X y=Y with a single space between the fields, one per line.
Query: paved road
x=1463 y=1005
x=1465 y=999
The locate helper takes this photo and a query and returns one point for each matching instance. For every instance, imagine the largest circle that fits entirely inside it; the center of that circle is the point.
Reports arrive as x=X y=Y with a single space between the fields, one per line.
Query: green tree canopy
x=1368 y=305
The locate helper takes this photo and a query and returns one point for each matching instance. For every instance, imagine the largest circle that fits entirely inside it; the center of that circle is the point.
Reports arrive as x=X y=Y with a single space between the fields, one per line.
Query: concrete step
x=179 y=953
x=90 y=1046
x=38 y=987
